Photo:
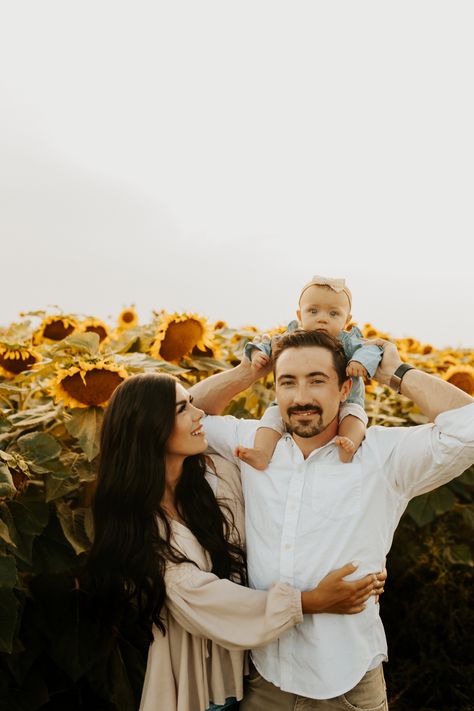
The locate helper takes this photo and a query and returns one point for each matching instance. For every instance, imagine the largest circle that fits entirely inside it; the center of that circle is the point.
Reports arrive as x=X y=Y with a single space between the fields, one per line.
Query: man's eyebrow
x=319 y=373
x=286 y=375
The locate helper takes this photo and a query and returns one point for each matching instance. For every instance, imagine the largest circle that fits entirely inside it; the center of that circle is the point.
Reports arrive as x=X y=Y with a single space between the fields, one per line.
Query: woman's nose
x=198 y=413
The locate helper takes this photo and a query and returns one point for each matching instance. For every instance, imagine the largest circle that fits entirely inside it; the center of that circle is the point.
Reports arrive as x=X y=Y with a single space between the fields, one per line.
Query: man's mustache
x=304 y=408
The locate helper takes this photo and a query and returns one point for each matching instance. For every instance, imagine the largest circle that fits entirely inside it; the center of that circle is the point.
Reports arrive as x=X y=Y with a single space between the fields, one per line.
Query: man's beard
x=305 y=429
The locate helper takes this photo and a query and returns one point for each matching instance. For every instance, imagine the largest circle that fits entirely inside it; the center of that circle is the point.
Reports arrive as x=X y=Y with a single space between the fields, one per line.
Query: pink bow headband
x=337 y=285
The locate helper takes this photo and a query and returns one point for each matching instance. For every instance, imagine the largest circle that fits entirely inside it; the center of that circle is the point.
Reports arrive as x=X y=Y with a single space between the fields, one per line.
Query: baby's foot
x=257 y=458
x=346 y=448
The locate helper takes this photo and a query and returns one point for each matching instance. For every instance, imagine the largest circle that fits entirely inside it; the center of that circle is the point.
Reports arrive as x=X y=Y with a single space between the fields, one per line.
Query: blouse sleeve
x=234 y=616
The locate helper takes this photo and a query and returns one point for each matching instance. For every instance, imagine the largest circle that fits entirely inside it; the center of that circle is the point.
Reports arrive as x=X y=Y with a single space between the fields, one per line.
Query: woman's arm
x=237 y=617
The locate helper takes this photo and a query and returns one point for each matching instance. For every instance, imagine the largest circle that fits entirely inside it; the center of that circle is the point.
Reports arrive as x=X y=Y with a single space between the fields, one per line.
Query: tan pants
x=369 y=695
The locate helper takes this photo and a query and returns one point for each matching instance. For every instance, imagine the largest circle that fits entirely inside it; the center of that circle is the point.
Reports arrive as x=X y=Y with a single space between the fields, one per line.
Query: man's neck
x=309 y=444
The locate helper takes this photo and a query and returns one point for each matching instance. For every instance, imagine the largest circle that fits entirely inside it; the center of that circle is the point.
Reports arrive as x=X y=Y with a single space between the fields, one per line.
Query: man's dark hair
x=300 y=339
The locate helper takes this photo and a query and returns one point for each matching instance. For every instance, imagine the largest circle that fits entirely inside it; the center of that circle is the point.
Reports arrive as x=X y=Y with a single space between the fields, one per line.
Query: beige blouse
x=210 y=622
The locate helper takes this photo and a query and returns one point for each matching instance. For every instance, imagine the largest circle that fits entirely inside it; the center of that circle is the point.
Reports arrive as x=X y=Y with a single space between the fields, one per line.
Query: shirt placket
x=287 y=553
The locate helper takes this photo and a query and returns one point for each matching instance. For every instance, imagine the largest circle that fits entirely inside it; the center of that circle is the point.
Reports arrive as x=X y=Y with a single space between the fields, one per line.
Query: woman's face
x=187 y=436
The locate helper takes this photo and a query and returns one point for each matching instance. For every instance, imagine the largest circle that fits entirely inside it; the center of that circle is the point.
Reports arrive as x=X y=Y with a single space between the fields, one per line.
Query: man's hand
x=355 y=370
x=390 y=360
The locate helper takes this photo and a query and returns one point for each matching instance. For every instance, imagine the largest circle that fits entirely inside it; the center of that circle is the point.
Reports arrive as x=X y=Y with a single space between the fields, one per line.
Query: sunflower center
x=15 y=366
x=97 y=389
x=180 y=338
x=464 y=381
x=57 y=330
x=100 y=330
x=127 y=317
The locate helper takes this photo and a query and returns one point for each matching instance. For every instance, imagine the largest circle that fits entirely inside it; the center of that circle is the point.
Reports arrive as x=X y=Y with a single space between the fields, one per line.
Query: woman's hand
x=342 y=597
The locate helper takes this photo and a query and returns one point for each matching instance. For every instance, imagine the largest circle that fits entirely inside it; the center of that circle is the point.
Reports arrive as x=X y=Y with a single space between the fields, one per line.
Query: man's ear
x=298 y=314
x=346 y=388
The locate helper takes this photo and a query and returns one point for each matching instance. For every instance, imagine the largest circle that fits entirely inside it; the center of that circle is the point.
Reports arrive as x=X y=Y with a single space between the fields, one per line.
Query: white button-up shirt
x=304 y=518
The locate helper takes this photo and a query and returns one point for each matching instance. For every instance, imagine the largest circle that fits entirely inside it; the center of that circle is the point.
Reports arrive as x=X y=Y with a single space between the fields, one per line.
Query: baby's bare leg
x=260 y=454
x=350 y=435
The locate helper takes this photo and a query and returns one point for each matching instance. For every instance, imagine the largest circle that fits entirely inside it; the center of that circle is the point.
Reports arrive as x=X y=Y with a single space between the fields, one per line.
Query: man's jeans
x=369 y=695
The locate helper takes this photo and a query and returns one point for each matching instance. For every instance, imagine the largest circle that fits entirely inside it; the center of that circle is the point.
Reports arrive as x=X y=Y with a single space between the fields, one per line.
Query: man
x=308 y=514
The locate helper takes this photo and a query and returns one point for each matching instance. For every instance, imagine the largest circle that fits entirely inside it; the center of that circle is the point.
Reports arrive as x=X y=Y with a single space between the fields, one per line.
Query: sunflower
x=178 y=334
x=213 y=351
x=462 y=376
x=15 y=358
x=369 y=331
x=128 y=318
x=408 y=345
x=54 y=328
x=87 y=384
x=95 y=325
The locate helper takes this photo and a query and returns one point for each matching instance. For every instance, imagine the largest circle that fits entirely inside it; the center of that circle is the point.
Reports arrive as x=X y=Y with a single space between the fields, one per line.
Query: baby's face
x=322 y=309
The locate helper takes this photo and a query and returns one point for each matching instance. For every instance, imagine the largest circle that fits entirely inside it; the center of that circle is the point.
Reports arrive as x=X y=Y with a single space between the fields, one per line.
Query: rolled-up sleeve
x=234 y=616
x=428 y=456
x=225 y=433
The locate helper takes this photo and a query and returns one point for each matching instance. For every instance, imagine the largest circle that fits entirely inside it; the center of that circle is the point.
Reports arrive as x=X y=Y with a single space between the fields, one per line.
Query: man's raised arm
x=430 y=393
x=214 y=393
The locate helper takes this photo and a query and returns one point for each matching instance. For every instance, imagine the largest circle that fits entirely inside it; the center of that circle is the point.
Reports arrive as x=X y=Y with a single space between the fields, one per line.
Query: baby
x=324 y=305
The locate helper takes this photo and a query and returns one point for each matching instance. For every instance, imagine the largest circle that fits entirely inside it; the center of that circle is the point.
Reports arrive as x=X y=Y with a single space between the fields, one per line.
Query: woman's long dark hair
x=132 y=535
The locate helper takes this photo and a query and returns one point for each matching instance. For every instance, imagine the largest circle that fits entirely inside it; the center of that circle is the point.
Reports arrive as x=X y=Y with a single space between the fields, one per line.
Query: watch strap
x=396 y=379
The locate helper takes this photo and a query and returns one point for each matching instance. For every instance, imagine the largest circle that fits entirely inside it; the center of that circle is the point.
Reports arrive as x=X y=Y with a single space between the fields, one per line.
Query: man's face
x=307 y=390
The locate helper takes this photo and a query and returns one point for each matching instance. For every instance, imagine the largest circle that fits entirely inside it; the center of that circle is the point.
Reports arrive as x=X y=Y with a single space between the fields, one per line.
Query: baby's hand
x=259 y=359
x=356 y=369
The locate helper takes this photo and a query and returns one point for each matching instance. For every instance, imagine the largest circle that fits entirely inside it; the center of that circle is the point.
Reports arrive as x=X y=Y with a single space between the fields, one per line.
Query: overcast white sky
x=213 y=155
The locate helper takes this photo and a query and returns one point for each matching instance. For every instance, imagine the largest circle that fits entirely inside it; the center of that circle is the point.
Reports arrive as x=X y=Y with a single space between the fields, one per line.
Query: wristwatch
x=396 y=379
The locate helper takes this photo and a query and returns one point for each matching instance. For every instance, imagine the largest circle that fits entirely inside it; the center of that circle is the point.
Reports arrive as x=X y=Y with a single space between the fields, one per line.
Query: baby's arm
x=352 y=424
x=268 y=434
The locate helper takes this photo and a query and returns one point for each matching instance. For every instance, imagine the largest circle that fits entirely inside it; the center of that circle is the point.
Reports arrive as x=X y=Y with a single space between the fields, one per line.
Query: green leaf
x=5 y=424
x=30 y=516
x=58 y=486
x=468 y=515
x=75 y=525
x=209 y=365
x=34 y=416
x=459 y=554
x=39 y=446
x=85 y=425
x=8 y=619
x=8 y=573
x=467 y=477
x=424 y=509
x=87 y=342
x=5 y=534
x=7 y=488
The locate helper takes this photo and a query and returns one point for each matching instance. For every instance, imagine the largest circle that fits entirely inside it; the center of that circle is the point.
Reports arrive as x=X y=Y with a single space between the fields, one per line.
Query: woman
x=169 y=534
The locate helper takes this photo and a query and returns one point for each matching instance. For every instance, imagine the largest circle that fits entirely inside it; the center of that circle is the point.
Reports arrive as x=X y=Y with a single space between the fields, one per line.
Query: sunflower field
x=57 y=373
